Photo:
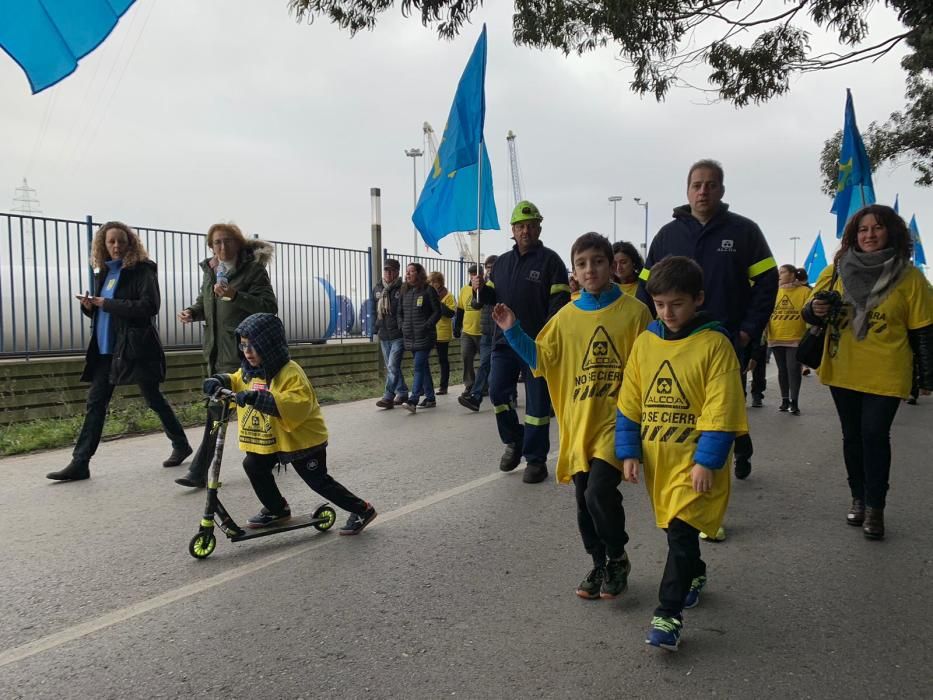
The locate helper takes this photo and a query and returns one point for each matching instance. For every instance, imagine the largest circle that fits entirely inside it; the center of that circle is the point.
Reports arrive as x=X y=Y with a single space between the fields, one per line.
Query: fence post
x=89 y=221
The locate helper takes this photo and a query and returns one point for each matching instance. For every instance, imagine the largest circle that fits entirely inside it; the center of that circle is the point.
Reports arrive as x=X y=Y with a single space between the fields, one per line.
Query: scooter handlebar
x=223 y=394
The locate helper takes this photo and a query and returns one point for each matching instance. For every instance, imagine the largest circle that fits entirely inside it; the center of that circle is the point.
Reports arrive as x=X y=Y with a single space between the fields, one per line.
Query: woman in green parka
x=235 y=285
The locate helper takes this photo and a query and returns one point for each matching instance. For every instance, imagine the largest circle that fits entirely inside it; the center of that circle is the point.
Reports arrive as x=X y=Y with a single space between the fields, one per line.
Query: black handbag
x=810 y=349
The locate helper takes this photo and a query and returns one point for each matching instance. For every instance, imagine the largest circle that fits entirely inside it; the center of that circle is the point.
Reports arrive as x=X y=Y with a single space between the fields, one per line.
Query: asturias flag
x=920 y=258
x=448 y=201
x=854 y=188
x=816 y=259
x=48 y=38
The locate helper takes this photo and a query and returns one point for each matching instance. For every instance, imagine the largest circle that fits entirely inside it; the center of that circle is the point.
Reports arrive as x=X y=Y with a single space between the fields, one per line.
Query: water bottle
x=222 y=276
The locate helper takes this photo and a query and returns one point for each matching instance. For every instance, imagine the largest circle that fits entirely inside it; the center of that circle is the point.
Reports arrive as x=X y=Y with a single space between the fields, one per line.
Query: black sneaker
x=535 y=472
x=468 y=401
x=75 y=471
x=356 y=523
x=590 y=586
x=743 y=468
x=442 y=391
x=757 y=402
x=785 y=405
x=266 y=518
x=616 y=581
x=511 y=458
x=177 y=456
x=794 y=408
x=428 y=403
x=385 y=403
x=191 y=481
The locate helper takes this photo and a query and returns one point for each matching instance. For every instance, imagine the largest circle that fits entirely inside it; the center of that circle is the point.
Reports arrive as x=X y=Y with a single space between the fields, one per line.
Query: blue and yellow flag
x=816 y=259
x=454 y=187
x=47 y=39
x=854 y=188
x=920 y=258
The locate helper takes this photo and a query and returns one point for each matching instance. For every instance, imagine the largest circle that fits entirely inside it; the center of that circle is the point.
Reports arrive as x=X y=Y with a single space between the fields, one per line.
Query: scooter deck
x=296 y=522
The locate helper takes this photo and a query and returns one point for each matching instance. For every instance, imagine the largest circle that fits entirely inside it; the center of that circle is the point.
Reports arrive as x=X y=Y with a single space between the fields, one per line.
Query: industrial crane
x=513 y=170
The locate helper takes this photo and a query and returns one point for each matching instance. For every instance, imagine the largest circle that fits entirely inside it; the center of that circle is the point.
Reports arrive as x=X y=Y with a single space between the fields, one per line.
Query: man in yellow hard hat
x=532 y=281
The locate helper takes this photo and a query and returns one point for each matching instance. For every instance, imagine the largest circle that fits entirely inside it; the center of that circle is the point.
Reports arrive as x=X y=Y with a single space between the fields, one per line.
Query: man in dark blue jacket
x=739 y=272
x=532 y=280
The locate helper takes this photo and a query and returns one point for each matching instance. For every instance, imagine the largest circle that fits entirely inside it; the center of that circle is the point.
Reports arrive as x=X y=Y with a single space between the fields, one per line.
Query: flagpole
x=479 y=205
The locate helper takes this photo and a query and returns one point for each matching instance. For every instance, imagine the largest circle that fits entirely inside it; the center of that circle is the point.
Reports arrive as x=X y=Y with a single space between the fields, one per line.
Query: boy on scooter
x=280 y=422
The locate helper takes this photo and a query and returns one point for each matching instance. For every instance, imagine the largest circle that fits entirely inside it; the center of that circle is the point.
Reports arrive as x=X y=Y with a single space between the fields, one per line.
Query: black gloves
x=244 y=398
x=211 y=385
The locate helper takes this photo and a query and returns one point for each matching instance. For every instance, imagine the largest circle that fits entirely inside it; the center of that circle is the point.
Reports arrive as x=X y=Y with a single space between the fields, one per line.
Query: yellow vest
x=472 y=323
x=882 y=362
x=628 y=288
x=676 y=389
x=445 y=325
x=786 y=324
x=582 y=355
x=300 y=423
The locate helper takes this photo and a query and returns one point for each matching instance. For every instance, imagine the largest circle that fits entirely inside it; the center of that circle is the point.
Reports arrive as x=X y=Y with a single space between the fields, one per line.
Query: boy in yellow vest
x=280 y=422
x=680 y=409
x=581 y=352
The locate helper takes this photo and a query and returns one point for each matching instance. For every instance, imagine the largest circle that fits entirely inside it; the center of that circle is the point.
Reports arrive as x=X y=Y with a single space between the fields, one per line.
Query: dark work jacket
x=419 y=312
x=388 y=327
x=739 y=274
x=533 y=285
x=137 y=351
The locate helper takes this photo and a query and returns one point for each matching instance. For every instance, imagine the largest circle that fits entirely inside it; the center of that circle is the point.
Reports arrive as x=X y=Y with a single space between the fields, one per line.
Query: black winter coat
x=419 y=313
x=388 y=327
x=137 y=349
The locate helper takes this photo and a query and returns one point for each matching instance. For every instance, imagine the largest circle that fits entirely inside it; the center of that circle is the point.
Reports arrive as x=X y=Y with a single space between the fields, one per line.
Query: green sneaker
x=616 y=581
x=693 y=595
x=590 y=586
x=720 y=536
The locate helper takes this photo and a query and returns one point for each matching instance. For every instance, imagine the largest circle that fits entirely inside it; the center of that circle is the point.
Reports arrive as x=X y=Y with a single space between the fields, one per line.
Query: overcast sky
x=192 y=113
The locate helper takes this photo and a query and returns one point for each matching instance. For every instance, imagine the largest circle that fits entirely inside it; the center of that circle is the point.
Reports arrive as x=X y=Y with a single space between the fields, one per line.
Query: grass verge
x=135 y=419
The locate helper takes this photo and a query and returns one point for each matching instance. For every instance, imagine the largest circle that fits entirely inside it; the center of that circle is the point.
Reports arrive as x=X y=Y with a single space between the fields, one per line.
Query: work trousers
x=788 y=371
x=311 y=469
x=469 y=349
x=481 y=383
x=98 y=399
x=600 y=513
x=866 y=441
x=683 y=565
x=443 y=361
x=533 y=438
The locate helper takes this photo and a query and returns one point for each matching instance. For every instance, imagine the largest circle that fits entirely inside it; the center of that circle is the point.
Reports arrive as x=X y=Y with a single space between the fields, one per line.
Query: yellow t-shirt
x=582 y=355
x=472 y=324
x=787 y=324
x=300 y=423
x=882 y=362
x=629 y=288
x=676 y=389
x=445 y=325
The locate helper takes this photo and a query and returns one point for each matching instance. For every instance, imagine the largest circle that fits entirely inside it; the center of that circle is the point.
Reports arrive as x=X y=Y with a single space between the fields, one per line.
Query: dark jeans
x=600 y=513
x=788 y=372
x=866 y=441
x=443 y=349
x=534 y=437
x=98 y=399
x=469 y=348
x=422 y=383
x=312 y=470
x=481 y=383
x=683 y=565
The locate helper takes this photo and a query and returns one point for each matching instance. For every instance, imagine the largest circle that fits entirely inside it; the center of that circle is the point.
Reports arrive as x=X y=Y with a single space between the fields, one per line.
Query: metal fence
x=323 y=293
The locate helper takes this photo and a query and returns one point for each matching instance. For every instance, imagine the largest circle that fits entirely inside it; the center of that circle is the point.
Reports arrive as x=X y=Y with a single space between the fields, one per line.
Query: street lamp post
x=615 y=199
x=414 y=154
x=795 y=239
x=645 y=205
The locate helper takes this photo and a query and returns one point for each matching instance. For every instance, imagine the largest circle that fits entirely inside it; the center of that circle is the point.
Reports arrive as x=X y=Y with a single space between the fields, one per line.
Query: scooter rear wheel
x=327 y=516
x=202 y=545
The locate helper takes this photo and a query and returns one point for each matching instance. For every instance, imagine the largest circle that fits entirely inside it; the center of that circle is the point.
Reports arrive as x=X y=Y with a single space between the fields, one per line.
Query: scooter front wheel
x=326 y=517
x=202 y=545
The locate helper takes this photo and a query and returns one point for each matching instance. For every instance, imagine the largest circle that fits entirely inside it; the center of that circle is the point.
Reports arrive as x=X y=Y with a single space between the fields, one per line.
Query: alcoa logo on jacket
x=727 y=246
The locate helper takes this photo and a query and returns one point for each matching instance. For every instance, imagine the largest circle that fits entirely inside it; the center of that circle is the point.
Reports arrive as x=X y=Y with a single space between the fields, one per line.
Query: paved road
x=464 y=584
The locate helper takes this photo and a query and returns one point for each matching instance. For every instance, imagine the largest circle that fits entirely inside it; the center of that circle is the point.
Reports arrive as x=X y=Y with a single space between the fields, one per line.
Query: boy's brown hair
x=675 y=274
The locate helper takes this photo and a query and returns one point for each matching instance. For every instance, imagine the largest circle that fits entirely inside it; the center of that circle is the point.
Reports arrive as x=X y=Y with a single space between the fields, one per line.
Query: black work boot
x=75 y=471
x=511 y=458
x=873 y=527
x=535 y=472
x=178 y=456
x=856 y=514
x=785 y=405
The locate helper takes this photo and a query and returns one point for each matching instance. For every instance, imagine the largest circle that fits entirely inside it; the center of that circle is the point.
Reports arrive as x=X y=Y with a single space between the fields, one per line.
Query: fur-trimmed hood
x=255 y=249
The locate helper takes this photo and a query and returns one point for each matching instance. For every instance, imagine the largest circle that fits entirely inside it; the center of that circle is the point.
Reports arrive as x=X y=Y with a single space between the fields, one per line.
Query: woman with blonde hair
x=444 y=328
x=124 y=346
x=878 y=310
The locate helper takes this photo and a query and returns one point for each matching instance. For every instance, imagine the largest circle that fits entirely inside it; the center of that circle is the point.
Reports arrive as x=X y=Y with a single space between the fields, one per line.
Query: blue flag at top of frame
x=816 y=259
x=920 y=258
x=449 y=199
x=854 y=188
x=47 y=38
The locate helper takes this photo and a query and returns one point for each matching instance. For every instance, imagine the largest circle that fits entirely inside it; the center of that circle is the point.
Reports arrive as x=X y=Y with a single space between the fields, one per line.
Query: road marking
x=115 y=617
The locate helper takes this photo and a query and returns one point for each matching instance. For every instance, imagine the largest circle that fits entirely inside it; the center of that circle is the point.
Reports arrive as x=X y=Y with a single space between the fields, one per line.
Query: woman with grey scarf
x=879 y=320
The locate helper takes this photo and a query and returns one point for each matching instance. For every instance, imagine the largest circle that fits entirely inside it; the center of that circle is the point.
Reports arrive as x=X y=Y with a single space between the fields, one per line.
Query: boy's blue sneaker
x=266 y=517
x=356 y=523
x=665 y=632
x=693 y=595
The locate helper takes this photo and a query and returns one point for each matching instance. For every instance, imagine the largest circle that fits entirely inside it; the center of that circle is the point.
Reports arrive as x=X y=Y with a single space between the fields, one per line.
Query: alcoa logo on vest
x=665 y=390
x=727 y=246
